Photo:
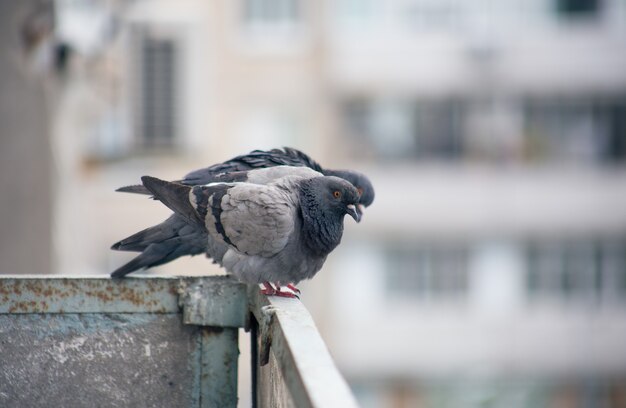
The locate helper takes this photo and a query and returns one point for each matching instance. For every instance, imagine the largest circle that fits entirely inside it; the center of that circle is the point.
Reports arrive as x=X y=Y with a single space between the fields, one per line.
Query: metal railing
x=157 y=341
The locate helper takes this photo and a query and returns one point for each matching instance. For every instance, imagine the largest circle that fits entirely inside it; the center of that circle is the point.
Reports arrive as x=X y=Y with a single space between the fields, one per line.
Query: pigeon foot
x=271 y=291
x=293 y=288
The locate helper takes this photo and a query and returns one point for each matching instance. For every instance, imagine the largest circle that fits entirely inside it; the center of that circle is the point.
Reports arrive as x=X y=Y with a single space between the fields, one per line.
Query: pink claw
x=271 y=291
x=293 y=288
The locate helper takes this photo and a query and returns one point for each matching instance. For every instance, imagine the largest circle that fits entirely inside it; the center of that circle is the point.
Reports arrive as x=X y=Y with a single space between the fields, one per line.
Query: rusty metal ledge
x=211 y=300
x=287 y=330
x=219 y=302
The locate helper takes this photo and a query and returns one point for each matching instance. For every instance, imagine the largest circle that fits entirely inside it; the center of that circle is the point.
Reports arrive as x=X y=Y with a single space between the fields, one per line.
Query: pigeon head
x=361 y=182
x=336 y=196
x=324 y=201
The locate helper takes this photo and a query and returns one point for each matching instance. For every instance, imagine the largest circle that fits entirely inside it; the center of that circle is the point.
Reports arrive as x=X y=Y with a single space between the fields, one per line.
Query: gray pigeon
x=262 y=159
x=280 y=232
x=175 y=237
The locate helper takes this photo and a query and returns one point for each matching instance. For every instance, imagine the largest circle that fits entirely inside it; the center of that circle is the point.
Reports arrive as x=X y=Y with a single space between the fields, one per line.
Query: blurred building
x=491 y=269
x=26 y=184
x=497 y=246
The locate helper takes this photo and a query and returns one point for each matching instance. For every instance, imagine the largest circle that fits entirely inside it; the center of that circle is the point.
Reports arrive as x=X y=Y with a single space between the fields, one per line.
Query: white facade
x=472 y=230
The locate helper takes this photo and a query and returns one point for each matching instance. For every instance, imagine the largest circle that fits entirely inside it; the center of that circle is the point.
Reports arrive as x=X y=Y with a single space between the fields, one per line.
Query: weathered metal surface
x=207 y=301
x=94 y=341
x=273 y=386
x=106 y=360
x=219 y=367
x=300 y=371
x=88 y=295
x=220 y=301
x=265 y=321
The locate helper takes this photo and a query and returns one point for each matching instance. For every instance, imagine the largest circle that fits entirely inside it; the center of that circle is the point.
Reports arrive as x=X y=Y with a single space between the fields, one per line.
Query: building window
x=267 y=13
x=156 y=102
x=435 y=15
x=438 y=129
x=427 y=273
x=358 y=12
x=273 y=27
x=588 y=130
x=591 y=271
x=578 y=8
x=406 y=129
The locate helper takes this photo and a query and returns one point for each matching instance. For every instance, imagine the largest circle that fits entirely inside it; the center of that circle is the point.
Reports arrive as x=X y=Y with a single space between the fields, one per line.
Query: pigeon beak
x=354 y=213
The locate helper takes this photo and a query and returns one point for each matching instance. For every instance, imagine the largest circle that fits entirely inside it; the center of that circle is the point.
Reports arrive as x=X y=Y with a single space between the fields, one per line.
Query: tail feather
x=163 y=252
x=184 y=233
x=175 y=196
x=141 y=261
x=161 y=243
x=174 y=226
x=135 y=189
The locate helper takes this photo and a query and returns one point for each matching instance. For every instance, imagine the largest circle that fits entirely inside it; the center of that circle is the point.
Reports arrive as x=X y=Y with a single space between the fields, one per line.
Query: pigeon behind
x=259 y=159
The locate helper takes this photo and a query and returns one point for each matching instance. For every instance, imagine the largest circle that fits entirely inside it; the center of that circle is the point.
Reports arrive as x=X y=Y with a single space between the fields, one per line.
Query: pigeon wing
x=256 y=159
x=264 y=171
x=253 y=219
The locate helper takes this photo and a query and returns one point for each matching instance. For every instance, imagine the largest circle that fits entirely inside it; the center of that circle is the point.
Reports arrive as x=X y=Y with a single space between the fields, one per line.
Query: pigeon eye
x=360 y=191
x=336 y=193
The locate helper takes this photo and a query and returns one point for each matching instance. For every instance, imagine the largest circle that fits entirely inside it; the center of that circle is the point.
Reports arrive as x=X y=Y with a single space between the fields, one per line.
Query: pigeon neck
x=321 y=228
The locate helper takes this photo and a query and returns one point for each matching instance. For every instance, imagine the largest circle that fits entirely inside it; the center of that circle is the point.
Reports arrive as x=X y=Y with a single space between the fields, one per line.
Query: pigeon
x=275 y=234
x=175 y=237
x=262 y=159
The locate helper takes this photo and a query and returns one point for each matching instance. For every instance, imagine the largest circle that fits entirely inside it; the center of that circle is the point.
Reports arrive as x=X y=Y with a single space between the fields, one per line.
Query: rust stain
x=28 y=307
x=110 y=294
x=104 y=296
x=210 y=331
x=72 y=286
x=132 y=297
x=33 y=286
x=18 y=294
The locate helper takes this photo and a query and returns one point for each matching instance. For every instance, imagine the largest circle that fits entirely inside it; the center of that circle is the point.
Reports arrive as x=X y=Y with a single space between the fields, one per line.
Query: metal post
x=218 y=381
x=254 y=359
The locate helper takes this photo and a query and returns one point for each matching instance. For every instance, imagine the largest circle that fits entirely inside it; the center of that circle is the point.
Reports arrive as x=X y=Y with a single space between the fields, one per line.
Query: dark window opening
x=586 y=130
x=271 y=11
x=407 y=129
x=427 y=273
x=592 y=270
x=578 y=8
x=157 y=121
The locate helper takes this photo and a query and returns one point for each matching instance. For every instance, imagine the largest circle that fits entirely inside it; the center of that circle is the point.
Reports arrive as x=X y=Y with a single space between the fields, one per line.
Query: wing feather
x=255 y=219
